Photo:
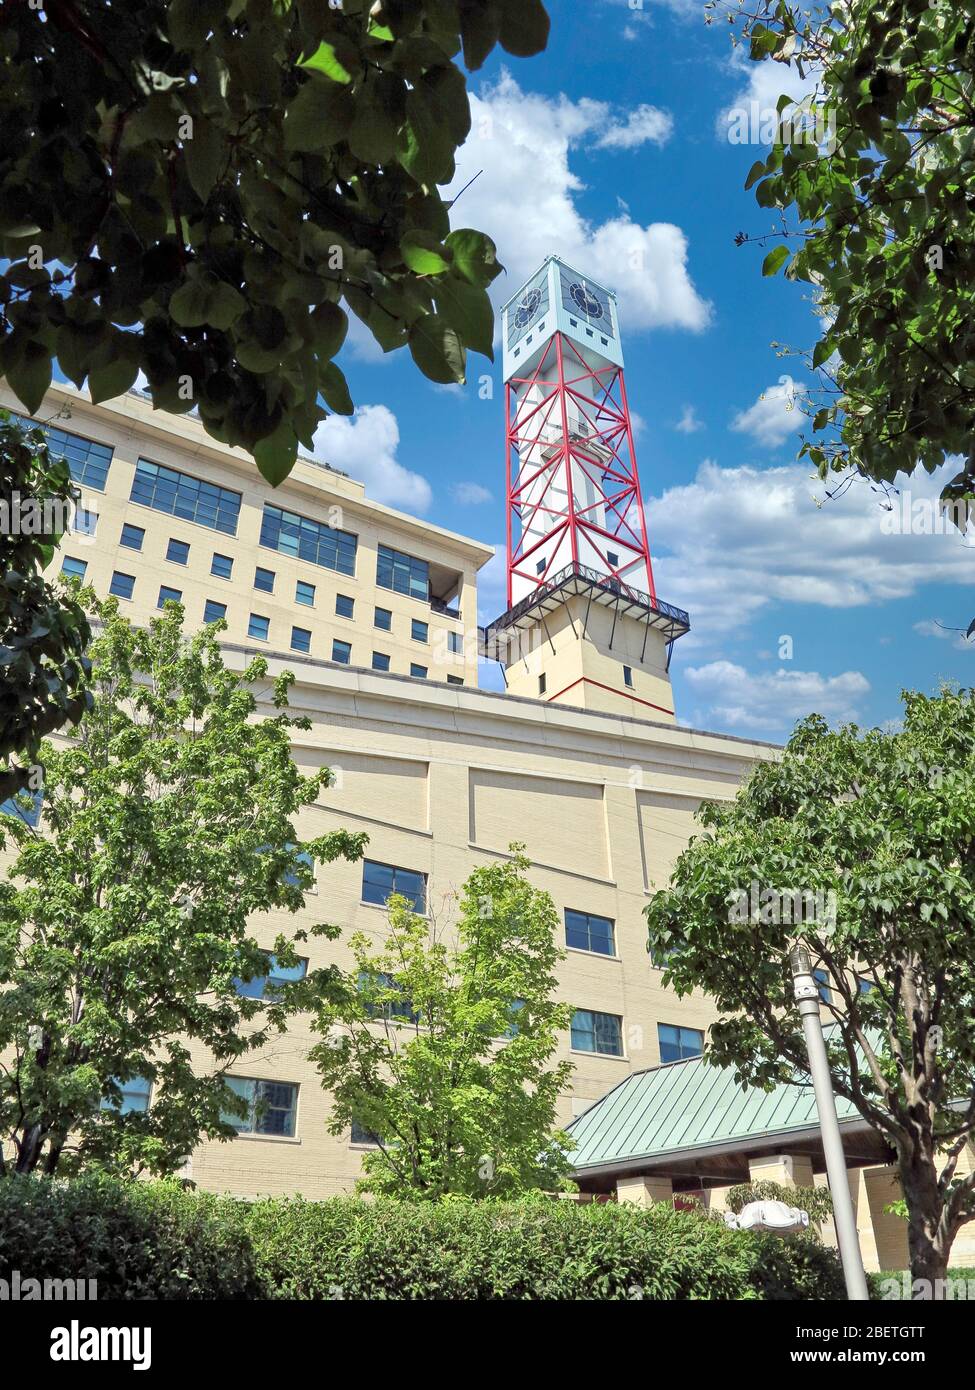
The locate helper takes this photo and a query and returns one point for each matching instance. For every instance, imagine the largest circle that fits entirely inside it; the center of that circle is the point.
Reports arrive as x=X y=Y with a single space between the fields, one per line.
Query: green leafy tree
x=443 y=1052
x=885 y=821
x=42 y=631
x=167 y=823
x=879 y=218
x=194 y=188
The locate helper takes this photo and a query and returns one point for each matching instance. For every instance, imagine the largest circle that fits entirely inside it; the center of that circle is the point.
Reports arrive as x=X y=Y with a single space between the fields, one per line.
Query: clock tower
x=584 y=625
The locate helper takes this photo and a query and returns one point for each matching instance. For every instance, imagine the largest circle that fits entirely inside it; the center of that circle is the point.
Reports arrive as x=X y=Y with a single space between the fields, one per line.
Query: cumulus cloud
x=760 y=85
x=773 y=417
x=742 y=699
x=645 y=125
x=688 y=422
x=365 y=444
x=469 y=494
x=523 y=147
x=930 y=627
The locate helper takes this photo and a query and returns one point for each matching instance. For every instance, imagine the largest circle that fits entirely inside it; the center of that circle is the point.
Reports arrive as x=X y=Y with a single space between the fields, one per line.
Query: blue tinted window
x=344 y=606
x=300 y=639
x=822 y=979
x=342 y=652
x=361 y=1135
x=308 y=540
x=74 y=569
x=222 y=566
x=89 y=462
x=271 y=1106
x=403 y=573
x=132 y=537
x=380 y=661
x=383 y=619
x=676 y=1044
x=400 y=1006
x=419 y=631
x=135 y=1096
x=455 y=641
x=178 y=552
x=304 y=592
x=596 y=1032
x=214 y=611
x=26 y=806
x=258 y=627
x=264 y=580
x=584 y=931
x=167 y=595
x=179 y=494
x=122 y=585
x=266 y=986
x=419 y=671
x=380 y=880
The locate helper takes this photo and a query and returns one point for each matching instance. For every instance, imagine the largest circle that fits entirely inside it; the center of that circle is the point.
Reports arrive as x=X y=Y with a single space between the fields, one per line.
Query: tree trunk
x=929 y=1239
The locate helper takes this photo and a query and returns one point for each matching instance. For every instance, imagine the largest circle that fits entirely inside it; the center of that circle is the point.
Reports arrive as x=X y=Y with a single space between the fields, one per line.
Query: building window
x=628 y=676
x=271 y=1106
x=455 y=642
x=612 y=559
x=305 y=593
x=88 y=462
x=822 y=979
x=676 y=1044
x=305 y=539
x=540 y=567
x=362 y=1136
x=132 y=537
x=179 y=494
x=864 y=986
x=26 y=806
x=168 y=595
x=400 y=1006
x=341 y=652
x=379 y=880
x=455 y=680
x=259 y=627
x=221 y=566
x=419 y=671
x=122 y=585
x=514 y=1010
x=268 y=985
x=595 y=1032
x=84 y=523
x=542 y=683
x=419 y=631
x=380 y=661
x=134 y=1099
x=403 y=573
x=178 y=552
x=344 y=606
x=300 y=639
x=383 y=619
x=584 y=931
x=264 y=580
x=72 y=568
x=214 y=611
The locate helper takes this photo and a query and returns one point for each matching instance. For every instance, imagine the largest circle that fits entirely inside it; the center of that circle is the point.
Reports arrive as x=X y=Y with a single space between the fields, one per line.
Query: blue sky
x=612 y=150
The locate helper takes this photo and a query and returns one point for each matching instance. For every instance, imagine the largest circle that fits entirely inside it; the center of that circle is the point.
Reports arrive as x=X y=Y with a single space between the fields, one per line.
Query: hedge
x=142 y=1240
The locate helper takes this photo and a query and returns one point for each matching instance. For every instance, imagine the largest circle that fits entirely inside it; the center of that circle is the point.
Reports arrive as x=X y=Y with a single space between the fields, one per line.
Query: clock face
x=528 y=309
x=585 y=301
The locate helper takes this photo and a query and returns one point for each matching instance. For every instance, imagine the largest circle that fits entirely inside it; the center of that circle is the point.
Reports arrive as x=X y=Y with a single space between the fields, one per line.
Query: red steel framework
x=539 y=426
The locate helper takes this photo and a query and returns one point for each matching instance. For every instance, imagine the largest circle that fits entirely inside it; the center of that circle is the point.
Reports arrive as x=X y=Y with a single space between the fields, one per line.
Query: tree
x=883 y=227
x=861 y=844
x=442 y=1052
x=166 y=825
x=191 y=188
x=42 y=633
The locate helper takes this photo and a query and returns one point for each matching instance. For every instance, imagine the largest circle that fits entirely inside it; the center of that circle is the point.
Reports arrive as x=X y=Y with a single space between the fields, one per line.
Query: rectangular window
x=514 y=1010
x=309 y=540
x=612 y=558
x=264 y=580
x=72 y=568
x=84 y=523
x=341 y=652
x=584 y=931
x=399 y=1006
x=596 y=1032
x=167 y=595
x=266 y=986
x=383 y=619
x=26 y=806
x=305 y=593
x=455 y=680
x=122 y=585
x=214 y=611
x=344 y=606
x=676 y=1044
x=180 y=494
x=178 y=552
x=361 y=1135
x=222 y=566
x=300 y=639
x=259 y=627
x=822 y=979
x=88 y=462
x=542 y=683
x=628 y=676
x=135 y=1096
x=380 y=661
x=379 y=880
x=271 y=1106
x=132 y=537
x=403 y=573
x=419 y=671
x=540 y=567
x=419 y=631
x=455 y=642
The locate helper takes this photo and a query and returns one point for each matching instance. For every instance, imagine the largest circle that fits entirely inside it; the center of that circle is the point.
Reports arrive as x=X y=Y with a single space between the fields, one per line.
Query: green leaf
x=775 y=259
x=336 y=57
x=437 y=349
x=335 y=389
x=205 y=155
x=479 y=27
x=318 y=117
x=188 y=305
x=755 y=172
x=329 y=326
x=524 y=27
x=474 y=256
x=113 y=379
x=823 y=350
x=423 y=253
x=275 y=454
x=29 y=377
x=225 y=306
x=468 y=309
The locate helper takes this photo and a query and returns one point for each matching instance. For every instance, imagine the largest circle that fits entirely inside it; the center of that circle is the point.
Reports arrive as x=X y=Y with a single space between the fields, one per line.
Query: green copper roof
x=685 y=1107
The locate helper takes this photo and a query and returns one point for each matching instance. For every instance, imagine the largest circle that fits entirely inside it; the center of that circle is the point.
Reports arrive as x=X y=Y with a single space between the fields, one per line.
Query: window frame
x=588 y=918
x=678 y=1028
x=421 y=910
x=595 y=1051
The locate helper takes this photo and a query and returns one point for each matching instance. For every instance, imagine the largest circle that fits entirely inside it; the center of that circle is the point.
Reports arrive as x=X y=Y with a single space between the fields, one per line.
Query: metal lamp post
x=807 y=997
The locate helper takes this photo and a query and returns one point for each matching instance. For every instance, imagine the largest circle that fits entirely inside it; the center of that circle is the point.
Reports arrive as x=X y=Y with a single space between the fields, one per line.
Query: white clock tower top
x=557 y=299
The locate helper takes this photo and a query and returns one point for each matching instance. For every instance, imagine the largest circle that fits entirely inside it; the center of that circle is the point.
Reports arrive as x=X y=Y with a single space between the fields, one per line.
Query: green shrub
x=143 y=1240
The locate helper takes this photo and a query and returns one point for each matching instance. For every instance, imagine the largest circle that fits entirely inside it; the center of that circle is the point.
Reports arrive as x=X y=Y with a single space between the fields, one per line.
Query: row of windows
x=88 y=462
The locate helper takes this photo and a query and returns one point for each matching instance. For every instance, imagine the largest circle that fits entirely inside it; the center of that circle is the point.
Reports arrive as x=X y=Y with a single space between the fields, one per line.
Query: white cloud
x=929 y=627
x=761 y=85
x=525 y=198
x=774 y=416
x=742 y=699
x=469 y=494
x=645 y=125
x=688 y=422
x=737 y=540
x=365 y=445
